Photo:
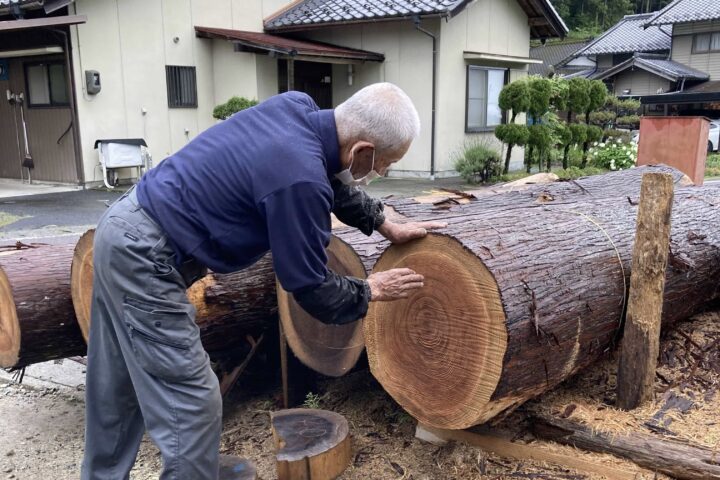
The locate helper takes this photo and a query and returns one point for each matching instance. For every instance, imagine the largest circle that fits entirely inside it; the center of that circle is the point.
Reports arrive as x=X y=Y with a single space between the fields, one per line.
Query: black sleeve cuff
x=338 y=300
x=355 y=208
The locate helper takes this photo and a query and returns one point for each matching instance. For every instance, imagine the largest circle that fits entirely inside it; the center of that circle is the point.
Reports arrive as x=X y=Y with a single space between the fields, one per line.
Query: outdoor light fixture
x=627 y=91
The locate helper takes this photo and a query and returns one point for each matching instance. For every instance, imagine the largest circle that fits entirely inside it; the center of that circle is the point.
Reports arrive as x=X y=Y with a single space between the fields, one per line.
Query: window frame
x=710 y=49
x=47 y=63
x=503 y=118
x=170 y=88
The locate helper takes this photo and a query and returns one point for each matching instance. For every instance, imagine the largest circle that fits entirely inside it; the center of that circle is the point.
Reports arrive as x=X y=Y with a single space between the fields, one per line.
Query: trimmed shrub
x=478 y=162
x=232 y=106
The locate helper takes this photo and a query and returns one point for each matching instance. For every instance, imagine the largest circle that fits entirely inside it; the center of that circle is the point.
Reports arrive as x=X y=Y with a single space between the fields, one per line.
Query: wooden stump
x=311 y=444
x=518 y=299
x=229 y=306
x=641 y=340
x=37 y=321
x=331 y=350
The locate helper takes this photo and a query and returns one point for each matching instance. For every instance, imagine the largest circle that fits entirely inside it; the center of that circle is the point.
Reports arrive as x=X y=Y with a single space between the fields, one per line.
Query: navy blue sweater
x=259 y=181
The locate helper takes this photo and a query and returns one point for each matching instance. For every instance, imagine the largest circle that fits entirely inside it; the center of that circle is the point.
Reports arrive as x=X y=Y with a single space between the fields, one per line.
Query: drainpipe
x=79 y=165
x=416 y=20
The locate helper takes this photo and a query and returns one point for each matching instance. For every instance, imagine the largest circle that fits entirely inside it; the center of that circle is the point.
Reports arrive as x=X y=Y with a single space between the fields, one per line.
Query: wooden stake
x=641 y=343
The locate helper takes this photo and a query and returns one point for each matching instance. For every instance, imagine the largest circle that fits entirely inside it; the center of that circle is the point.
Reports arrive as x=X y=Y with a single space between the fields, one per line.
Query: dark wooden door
x=312 y=78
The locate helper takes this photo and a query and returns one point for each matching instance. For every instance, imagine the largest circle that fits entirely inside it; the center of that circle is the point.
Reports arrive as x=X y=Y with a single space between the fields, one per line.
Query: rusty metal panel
x=53 y=153
x=679 y=142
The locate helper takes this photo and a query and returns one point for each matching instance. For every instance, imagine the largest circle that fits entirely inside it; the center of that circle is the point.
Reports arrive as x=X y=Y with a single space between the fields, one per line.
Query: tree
x=515 y=99
x=597 y=95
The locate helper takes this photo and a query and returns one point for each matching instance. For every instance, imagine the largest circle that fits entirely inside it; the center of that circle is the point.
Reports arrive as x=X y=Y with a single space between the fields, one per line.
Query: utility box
x=678 y=142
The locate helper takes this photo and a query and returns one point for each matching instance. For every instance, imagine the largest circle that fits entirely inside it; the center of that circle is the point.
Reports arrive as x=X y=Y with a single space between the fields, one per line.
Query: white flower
x=602 y=145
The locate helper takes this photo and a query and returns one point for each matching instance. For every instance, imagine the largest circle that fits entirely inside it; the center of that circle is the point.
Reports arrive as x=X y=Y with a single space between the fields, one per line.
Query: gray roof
x=552 y=54
x=658 y=65
x=630 y=35
x=304 y=14
x=684 y=11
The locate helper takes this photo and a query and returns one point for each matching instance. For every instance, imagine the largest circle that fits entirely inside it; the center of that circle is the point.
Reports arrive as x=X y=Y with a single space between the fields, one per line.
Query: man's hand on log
x=404 y=232
x=393 y=284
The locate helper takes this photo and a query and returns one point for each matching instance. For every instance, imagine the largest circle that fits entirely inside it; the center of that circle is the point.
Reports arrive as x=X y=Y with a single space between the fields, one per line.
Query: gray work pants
x=146 y=366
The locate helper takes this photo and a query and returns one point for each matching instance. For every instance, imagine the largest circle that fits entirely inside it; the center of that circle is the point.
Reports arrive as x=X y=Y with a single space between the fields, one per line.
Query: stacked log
x=519 y=297
x=37 y=322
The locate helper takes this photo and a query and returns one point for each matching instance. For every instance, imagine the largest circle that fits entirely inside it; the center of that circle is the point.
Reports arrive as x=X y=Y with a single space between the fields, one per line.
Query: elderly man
x=265 y=179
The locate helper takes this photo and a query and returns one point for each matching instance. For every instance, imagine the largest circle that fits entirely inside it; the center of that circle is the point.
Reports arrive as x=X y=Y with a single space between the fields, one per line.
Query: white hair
x=381 y=114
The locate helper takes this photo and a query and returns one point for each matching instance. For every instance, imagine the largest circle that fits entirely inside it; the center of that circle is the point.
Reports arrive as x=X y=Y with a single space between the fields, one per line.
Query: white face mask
x=346 y=177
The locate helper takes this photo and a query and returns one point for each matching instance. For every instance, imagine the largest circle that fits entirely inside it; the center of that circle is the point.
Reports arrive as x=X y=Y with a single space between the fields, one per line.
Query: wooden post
x=290 y=74
x=641 y=342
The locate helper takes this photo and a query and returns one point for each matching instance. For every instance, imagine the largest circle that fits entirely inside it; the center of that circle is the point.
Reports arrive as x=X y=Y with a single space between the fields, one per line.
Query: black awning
x=703 y=93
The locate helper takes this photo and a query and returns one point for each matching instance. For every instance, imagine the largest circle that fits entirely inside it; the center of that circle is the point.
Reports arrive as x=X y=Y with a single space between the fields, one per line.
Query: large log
x=37 y=322
x=517 y=299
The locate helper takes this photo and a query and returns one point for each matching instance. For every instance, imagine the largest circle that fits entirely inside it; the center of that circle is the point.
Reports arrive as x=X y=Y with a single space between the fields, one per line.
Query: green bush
x=603 y=117
x=594 y=134
x=713 y=160
x=512 y=133
x=573 y=173
x=478 y=162
x=579 y=132
x=628 y=120
x=613 y=155
x=232 y=106
x=623 y=135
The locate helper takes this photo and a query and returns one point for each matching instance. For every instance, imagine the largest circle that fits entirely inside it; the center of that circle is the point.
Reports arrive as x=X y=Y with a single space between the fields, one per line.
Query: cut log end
x=311 y=444
x=9 y=325
x=331 y=350
x=449 y=341
x=81 y=281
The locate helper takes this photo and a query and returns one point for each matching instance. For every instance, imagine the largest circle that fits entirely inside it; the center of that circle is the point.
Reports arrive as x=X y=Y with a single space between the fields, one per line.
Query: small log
x=679 y=459
x=641 y=340
x=331 y=350
x=311 y=444
x=236 y=468
x=37 y=322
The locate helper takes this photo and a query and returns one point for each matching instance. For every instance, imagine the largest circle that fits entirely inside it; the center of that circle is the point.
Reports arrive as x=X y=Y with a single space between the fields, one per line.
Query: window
x=706 y=42
x=46 y=84
x=482 y=111
x=181 y=87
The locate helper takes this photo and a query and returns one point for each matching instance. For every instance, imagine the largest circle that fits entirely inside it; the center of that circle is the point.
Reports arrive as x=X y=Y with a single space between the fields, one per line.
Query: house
x=558 y=58
x=695 y=44
x=155 y=69
x=634 y=59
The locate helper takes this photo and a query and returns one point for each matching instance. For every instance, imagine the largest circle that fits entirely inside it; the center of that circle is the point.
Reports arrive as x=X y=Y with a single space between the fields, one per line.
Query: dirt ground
x=42 y=428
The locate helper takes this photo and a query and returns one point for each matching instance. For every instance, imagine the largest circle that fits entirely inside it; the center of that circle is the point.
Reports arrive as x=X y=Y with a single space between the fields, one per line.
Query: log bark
x=678 y=459
x=311 y=444
x=229 y=306
x=641 y=338
x=37 y=322
x=518 y=298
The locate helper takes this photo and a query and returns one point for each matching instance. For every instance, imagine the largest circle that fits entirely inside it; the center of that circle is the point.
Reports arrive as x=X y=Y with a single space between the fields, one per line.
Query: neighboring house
x=629 y=56
x=558 y=58
x=695 y=28
x=162 y=65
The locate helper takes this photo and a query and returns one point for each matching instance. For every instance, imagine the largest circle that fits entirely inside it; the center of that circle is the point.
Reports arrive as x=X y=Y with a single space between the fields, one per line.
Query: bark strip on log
x=311 y=444
x=517 y=299
x=332 y=350
x=229 y=306
x=679 y=459
x=641 y=338
x=37 y=322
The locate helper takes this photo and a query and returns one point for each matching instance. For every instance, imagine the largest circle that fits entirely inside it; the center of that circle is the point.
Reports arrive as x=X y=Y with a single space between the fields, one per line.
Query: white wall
x=408 y=64
x=683 y=43
x=131 y=41
x=487 y=26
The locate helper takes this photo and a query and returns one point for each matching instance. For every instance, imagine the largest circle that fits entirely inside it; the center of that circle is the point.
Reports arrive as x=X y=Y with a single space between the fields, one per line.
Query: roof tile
x=684 y=11
x=630 y=35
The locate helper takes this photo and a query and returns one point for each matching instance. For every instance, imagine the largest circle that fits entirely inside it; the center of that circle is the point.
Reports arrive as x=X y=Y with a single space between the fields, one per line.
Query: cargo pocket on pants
x=165 y=340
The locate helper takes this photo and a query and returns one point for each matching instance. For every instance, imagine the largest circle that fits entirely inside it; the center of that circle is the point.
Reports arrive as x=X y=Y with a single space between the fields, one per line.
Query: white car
x=713 y=136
